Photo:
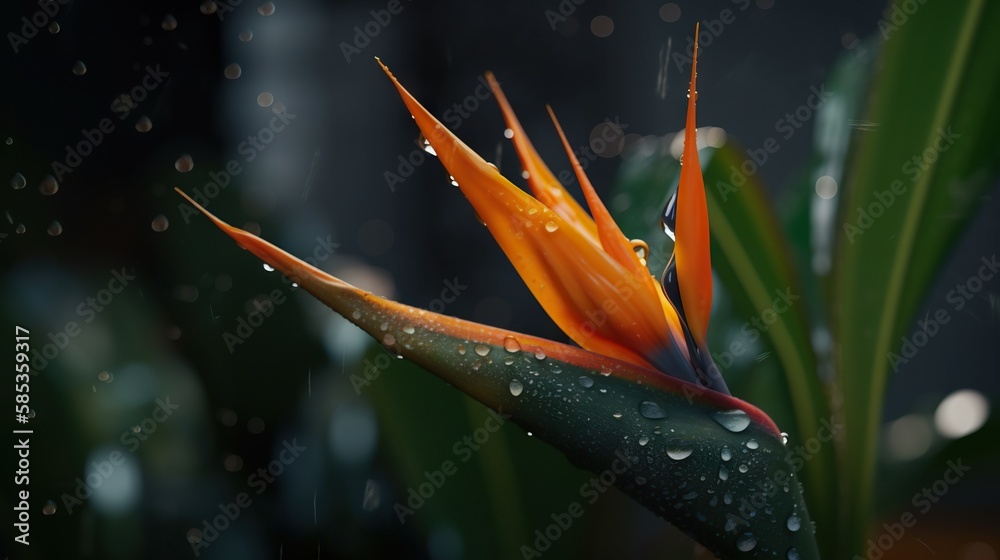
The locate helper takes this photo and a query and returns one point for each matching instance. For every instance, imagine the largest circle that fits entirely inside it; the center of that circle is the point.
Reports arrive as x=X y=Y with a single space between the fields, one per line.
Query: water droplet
x=169 y=23
x=388 y=339
x=679 y=454
x=461 y=349
x=532 y=211
x=794 y=523
x=643 y=440
x=726 y=454
x=793 y=554
x=784 y=441
x=384 y=326
x=668 y=220
x=511 y=345
x=752 y=444
x=49 y=508
x=79 y=68
x=427 y=145
x=605 y=372
x=246 y=35
x=265 y=99
x=651 y=410
x=184 y=163
x=508 y=361
x=144 y=124
x=744 y=468
x=539 y=355
x=266 y=9
x=409 y=330
x=48 y=186
x=208 y=7
x=690 y=495
x=551 y=226
x=617 y=415
x=516 y=387
x=586 y=381
x=54 y=27
x=640 y=480
x=482 y=349
x=160 y=223
x=20 y=228
x=640 y=247
x=9 y=141
x=105 y=377
x=55 y=228
x=268 y=267
x=746 y=542
x=732 y=420
x=723 y=473
x=17 y=181
x=233 y=71
x=356 y=314
x=727 y=499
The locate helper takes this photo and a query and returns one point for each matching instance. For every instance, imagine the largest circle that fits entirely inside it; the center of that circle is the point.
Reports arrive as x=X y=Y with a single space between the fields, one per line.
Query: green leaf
x=937 y=79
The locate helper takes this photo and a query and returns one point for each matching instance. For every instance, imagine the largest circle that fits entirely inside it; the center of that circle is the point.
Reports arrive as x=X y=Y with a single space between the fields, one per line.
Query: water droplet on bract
x=452 y=180
x=409 y=330
x=679 y=454
x=48 y=186
x=427 y=145
x=516 y=387
x=643 y=440
x=586 y=381
x=784 y=438
x=265 y=99
x=184 y=163
x=539 y=355
x=233 y=71
x=20 y=228
x=532 y=211
x=511 y=345
x=731 y=522
x=388 y=339
x=55 y=228
x=793 y=554
x=54 y=27
x=160 y=223
x=726 y=454
x=752 y=444
x=508 y=361
x=356 y=314
x=616 y=415
x=744 y=468
x=668 y=220
x=384 y=326
x=723 y=473
x=266 y=9
x=144 y=124
x=482 y=349
x=746 y=542
x=169 y=23
x=727 y=499
x=79 y=68
x=17 y=181
x=794 y=523
x=551 y=226
x=651 y=410
x=246 y=35
x=461 y=349
x=268 y=267
x=208 y=7
x=732 y=420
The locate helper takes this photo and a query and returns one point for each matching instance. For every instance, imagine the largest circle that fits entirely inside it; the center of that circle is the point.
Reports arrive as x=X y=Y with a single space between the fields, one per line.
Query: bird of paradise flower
x=642 y=384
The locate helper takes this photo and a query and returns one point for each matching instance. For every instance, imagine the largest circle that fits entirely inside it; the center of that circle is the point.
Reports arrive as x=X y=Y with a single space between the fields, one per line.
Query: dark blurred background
x=181 y=88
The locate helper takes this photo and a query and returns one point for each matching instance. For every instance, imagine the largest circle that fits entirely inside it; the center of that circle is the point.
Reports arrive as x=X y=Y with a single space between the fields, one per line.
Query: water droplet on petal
x=752 y=444
x=679 y=454
x=48 y=186
x=17 y=181
x=586 y=381
x=266 y=9
x=384 y=326
x=55 y=228
x=184 y=163
x=651 y=410
x=233 y=71
x=160 y=223
x=746 y=542
x=516 y=387
x=732 y=420
x=79 y=68
x=482 y=349
x=409 y=330
x=794 y=523
x=511 y=345
x=356 y=314
x=268 y=267
x=539 y=355
x=388 y=339
x=427 y=145
x=551 y=226
x=143 y=124
x=169 y=23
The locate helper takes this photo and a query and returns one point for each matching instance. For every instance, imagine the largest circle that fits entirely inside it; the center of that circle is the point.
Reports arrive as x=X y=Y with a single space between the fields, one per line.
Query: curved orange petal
x=596 y=301
x=544 y=185
x=694 y=261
